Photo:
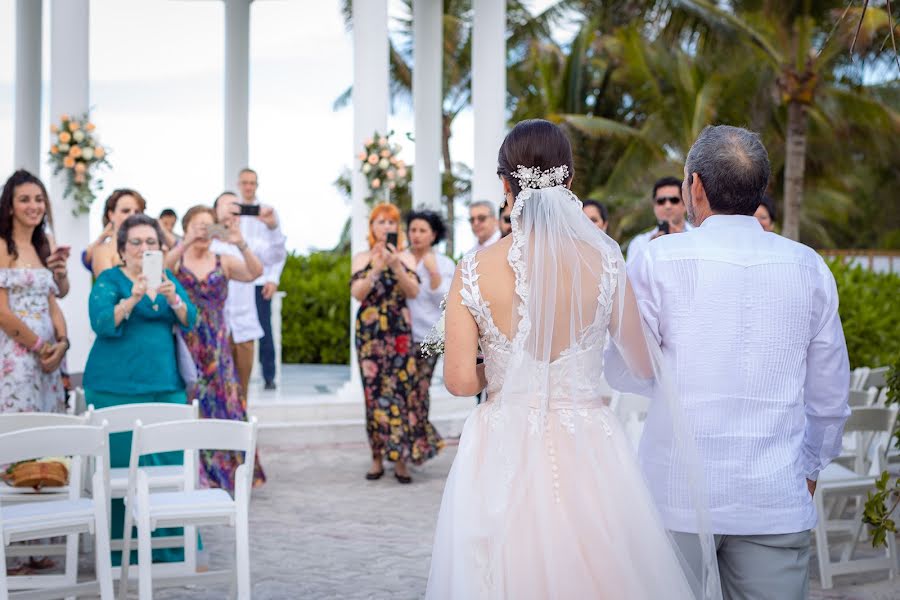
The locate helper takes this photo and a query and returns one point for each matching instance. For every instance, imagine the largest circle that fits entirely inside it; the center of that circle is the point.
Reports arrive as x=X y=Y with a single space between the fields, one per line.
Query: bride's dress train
x=548 y=501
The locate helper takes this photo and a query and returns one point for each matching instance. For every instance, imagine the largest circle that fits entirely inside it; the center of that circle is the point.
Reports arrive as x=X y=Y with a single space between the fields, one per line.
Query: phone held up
x=392 y=239
x=216 y=230
x=663 y=227
x=248 y=210
x=153 y=268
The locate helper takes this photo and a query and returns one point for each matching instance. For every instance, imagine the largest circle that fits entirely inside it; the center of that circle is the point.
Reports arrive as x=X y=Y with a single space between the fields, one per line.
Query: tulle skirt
x=550 y=504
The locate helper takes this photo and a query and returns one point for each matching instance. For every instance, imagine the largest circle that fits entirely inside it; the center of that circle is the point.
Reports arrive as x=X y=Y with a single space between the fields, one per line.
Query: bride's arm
x=461 y=375
x=633 y=351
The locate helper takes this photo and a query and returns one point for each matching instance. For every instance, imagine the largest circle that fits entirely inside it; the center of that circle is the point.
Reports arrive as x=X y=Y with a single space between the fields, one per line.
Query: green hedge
x=870 y=314
x=316 y=312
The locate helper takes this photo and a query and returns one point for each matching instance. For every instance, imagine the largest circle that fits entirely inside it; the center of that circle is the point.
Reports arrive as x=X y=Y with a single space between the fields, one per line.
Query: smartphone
x=392 y=239
x=248 y=210
x=663 y=227
x=153 y=268
x=216 y=230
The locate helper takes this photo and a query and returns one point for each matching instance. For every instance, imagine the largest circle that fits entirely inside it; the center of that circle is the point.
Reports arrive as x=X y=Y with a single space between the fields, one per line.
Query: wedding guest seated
x=133 y=358
x=101 y=254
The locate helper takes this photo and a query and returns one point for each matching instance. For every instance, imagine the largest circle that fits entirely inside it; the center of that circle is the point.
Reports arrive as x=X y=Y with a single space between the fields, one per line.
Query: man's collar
x=745 y=221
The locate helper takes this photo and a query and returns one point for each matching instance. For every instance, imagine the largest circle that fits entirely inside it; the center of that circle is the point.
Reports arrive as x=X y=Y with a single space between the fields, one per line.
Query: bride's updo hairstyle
x=533 y=143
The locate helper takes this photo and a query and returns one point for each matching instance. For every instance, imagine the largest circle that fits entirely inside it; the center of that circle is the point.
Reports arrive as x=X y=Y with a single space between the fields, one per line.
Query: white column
x=27 y=151
x=237 y=88
x=488 y=95
x=370 y=109
x=427 y=101
x=70 y=94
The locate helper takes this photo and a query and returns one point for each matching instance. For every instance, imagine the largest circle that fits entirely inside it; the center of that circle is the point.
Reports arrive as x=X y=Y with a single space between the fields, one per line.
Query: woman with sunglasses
x=670 y=214
x=133 y=358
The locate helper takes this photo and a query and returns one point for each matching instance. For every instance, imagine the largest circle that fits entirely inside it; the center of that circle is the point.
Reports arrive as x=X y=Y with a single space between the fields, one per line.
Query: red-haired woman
x=383 y=278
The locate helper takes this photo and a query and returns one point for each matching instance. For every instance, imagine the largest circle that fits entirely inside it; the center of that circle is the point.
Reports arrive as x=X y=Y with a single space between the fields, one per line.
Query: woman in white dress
x=545 y=498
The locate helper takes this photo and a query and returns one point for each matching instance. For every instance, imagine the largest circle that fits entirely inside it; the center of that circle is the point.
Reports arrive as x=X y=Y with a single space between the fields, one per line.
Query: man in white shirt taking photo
x=263 y=234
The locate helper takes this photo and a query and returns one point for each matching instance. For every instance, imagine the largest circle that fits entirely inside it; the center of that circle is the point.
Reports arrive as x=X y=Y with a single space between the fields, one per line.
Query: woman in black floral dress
x=382 y=280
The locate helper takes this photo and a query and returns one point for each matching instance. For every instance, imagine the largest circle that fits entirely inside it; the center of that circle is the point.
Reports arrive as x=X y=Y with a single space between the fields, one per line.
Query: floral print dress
x=217 y=387
x=24 y=387
x=387 y=366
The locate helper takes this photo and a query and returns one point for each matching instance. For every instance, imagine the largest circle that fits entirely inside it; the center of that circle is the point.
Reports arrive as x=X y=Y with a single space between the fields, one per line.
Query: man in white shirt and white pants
x=266 y=241
x=748 y=324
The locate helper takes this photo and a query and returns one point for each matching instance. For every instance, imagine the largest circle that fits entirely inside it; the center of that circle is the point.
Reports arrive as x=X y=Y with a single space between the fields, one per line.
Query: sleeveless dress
x=532 y=510
x=24 y=387
x=387 y=367
x=217 y=387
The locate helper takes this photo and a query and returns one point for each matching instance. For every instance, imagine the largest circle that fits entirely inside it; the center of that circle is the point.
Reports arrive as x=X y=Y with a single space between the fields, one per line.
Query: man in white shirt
x=483 y=219
x=241 y=315
x=669 y=210
x=748 y=326
x=267 y=284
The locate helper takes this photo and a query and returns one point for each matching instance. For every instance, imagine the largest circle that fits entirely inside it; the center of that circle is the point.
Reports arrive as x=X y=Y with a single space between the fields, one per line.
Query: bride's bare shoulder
x=495 y=255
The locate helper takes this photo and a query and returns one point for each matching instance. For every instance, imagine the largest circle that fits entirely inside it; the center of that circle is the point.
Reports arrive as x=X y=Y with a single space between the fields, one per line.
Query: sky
x=157 y=100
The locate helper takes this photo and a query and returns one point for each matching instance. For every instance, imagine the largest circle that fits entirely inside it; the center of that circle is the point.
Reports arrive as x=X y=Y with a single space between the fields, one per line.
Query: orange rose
x=65 y=137
x=89 y=127
x=99 y=152
x=68 y=162
x=54 y=150
x=75 y=152
x=376 y=183
x=73 y=126
x=80 y=167
x=54 y=129
x=64 y=117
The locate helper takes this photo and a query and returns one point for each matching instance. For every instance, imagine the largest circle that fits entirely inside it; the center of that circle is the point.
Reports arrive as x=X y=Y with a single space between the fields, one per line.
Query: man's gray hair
x=734 y=167
x=492 y=208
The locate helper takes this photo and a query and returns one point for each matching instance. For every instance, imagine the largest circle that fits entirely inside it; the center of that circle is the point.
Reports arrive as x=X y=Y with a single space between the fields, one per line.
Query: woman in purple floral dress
x=205 y=276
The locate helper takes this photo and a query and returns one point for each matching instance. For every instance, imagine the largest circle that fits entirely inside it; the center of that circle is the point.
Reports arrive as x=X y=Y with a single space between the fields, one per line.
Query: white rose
x=63 y=147
x=87 y=153
x=367 y=168
x=384 y=163
x=78 y=136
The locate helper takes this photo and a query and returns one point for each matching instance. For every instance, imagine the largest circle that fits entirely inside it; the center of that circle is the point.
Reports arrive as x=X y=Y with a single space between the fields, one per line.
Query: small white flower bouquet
x=433 y=344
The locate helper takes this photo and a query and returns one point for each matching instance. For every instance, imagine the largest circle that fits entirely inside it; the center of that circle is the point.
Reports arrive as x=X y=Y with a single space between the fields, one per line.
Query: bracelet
x=176 y=305
x=242 y=246
x=38 y=344
x=127 y=313
x=65 y=340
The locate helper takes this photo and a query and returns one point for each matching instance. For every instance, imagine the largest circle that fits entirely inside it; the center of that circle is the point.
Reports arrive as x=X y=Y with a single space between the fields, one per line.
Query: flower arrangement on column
x=383 y=170
x=75 y=151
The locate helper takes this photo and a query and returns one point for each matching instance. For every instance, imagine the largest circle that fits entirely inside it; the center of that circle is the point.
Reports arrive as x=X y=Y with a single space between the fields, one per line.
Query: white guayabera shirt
x=748 y=324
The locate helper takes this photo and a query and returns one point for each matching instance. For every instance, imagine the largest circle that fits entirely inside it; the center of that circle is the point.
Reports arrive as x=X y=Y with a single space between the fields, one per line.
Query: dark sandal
x=403 y=478
x=374 y=476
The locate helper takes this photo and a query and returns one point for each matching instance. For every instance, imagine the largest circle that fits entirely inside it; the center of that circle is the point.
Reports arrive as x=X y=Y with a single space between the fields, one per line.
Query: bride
x=545 y=498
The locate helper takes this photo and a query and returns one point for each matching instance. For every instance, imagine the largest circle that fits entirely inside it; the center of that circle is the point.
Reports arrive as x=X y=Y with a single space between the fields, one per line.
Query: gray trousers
x=756 y=567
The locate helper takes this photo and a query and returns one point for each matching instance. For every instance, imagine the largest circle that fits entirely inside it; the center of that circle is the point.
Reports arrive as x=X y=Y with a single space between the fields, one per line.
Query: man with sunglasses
x=670 y=214
x=483 y=219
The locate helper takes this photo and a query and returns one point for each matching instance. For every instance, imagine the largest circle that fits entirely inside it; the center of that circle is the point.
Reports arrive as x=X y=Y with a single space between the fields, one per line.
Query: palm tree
x=795 y=41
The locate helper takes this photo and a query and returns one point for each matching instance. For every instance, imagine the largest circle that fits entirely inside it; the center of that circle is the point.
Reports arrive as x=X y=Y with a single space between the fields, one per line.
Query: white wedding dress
x=545 y=498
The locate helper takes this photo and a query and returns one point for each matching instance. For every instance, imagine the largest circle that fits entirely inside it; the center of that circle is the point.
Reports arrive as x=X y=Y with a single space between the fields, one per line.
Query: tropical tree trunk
x=449 y=185
x=794 y=165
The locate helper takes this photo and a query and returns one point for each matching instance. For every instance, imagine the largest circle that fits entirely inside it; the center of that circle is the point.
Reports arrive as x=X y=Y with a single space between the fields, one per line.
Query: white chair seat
x=49 y=515
x=161 y=476
x=211 y=504
x=835 y=473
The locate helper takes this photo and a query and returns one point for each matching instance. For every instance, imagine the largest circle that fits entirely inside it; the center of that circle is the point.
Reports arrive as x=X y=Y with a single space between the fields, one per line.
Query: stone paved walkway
x=319 y=530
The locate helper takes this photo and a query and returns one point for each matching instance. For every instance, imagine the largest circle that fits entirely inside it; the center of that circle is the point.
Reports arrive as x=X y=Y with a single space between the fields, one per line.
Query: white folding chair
x=150 y=510
x=858 y=377
x=840 y=487
x=863 y=397
x=67 y=517
x=121 y=419
x=632 y=411
x=876 y=378
x=77 y=404
x=12 y=422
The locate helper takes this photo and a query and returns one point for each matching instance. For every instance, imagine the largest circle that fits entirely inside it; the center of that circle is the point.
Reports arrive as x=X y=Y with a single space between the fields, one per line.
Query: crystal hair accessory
x=534 y=177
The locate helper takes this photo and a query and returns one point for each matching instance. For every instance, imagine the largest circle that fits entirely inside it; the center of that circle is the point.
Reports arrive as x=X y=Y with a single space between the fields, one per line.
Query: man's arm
x=827 y=386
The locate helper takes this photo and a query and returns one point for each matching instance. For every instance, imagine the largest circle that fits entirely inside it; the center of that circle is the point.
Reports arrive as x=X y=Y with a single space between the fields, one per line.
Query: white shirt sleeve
x=447 y=269
x=827 y=385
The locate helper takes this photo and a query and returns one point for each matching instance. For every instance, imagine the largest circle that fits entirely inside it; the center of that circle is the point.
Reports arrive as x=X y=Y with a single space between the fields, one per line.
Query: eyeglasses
x=138 y=242
x=478 y=218
x=671 y=199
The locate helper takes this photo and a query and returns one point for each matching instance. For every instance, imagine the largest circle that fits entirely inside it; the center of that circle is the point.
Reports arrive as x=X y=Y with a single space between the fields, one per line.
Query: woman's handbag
x=37 y=474
x=186 y=367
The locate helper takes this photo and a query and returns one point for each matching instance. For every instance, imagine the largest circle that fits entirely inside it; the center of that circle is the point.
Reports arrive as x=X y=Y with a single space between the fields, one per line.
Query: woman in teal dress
x=133 y=358
x=205 y=277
